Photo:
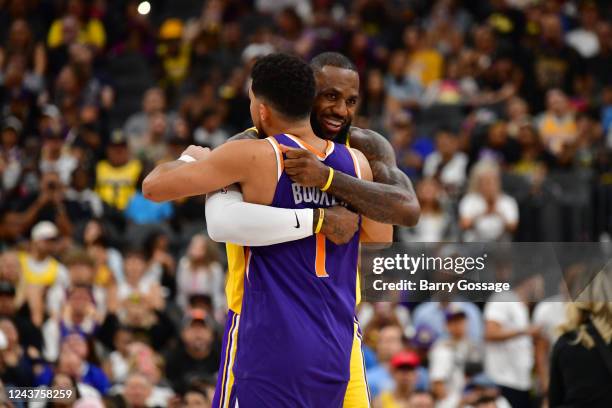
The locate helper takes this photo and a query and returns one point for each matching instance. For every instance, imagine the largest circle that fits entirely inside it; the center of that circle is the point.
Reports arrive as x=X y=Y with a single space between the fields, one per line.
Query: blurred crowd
x=500 y=111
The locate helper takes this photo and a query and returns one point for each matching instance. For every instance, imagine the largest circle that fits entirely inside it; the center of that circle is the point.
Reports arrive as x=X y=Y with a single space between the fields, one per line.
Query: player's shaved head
x=286 y=83
x=331 y=59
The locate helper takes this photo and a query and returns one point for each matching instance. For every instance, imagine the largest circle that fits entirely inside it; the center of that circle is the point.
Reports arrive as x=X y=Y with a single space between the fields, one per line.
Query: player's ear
x=264 y=112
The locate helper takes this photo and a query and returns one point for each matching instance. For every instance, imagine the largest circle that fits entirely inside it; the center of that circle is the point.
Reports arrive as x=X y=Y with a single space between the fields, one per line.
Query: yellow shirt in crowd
x=116 y=185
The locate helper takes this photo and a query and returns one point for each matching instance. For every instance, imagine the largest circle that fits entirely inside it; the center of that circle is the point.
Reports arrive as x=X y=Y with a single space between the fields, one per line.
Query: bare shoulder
x=363 y=163
x=372 y=144
x=248 y=134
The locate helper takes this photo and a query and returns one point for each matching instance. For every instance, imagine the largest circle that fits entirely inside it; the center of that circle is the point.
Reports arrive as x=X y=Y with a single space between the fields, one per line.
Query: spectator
x=81 y=193
x=39 y=267
x=10 y=153
x=425 y=64
x=434 y=224
x=450 y=360
x=197 y=356
x=583 y=38
x=199 y=273
x=96 y=240
x=73 y=361
x=508 y=335
x=210 y=133
x=433 y=314
x=389 y=343
x=151 y=146
x=196 y=397
x=117 y=366
x=173 y=53
x=421 y=399
x=116 y=177
x=494 y=145
x=137 y=392
x=580 y=362
x=18 y=311
x=50 y=204
x=55 y=158
x=410 y=150
x=557 y=125
x=486 y=213
x=447 y=164
x=138 y=124
x=402 y=90
x=403 y=365
x=77 y=316
x=77 y=25
x=17 y=365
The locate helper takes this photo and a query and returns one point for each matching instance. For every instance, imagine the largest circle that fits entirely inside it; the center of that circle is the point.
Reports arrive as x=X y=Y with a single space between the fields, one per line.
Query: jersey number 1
x=320 y=257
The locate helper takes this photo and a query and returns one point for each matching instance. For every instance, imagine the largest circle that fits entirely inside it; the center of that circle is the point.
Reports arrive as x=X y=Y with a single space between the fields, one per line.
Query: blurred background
x=500 y=112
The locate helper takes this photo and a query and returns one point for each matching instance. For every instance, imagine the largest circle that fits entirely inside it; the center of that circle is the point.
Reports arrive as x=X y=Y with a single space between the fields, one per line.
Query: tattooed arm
x=389 y=199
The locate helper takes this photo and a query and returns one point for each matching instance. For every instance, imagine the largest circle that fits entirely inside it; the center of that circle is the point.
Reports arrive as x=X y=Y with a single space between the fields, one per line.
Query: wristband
x=329 y=180
x=320 y=222
x=186 y=158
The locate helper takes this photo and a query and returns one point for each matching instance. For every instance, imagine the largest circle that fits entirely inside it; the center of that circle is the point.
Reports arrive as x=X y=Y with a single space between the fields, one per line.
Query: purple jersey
x=297 y=319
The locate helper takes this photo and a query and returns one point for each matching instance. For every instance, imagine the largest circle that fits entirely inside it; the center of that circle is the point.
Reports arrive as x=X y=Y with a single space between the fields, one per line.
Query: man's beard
x=342 y=135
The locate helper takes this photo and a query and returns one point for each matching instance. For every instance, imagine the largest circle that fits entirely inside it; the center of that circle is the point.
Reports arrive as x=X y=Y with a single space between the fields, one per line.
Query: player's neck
x=302 y=130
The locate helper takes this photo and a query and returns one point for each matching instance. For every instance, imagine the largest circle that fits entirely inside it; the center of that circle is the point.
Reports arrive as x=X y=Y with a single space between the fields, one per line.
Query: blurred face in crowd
x=197 y=248
x=118 y=155
x=158 y=125
x=122 y=340
x=552 y=32
x=77 y=344
x=397 y=64
x=10 y=269
x=456 y=327
x=154 y=101
x=376 y=85
x=421 y=400
x=135 y=267
x=498 y=135
x=20 y=34
x=489 y=185
x=80 y=302
x=556 y=101
x=9 y=330
x=195 y=400
x=428 y=191
x=405 y=377
x=527 y=136
x=389 y=342
x=198 y=337
x=446 y=144
x=7 y=304
x=516 y=108
x=137 y=390
x=9 y=138
x=81 y=274
x=43 y=248
x=335 y=102
x=69 y=363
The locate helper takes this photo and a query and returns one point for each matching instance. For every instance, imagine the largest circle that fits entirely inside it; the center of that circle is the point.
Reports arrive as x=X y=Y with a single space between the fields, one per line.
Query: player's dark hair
x=286 y=83
x=331 y=59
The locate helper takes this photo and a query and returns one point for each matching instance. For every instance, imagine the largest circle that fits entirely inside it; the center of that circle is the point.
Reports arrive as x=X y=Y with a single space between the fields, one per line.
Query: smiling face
x=336 y=100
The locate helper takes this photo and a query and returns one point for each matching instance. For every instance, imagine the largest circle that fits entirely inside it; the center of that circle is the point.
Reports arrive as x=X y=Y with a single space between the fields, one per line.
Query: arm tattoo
x=390 y=198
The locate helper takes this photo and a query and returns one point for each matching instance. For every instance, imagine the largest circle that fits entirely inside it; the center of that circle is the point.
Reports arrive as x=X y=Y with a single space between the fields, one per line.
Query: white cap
x=44 y=230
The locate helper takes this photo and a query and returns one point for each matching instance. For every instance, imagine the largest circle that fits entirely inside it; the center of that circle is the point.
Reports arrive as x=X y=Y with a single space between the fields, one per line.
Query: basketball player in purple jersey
x=299 y=297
